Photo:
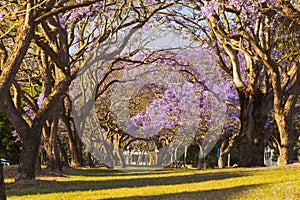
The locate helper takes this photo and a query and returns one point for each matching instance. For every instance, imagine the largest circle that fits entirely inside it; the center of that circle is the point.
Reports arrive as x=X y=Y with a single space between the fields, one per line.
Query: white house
x=268 y=157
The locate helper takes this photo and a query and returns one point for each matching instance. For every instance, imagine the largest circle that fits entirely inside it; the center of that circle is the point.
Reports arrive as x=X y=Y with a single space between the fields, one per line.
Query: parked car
x=6 y=162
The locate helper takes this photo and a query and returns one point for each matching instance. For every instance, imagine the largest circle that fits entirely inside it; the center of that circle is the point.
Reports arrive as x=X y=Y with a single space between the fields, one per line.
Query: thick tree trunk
x=75 y=143
x=2 y=184
x=51 y=147
x=253 y=116
x=286 y=140
x=284 y=105
x=27 y=162
x=75 y=149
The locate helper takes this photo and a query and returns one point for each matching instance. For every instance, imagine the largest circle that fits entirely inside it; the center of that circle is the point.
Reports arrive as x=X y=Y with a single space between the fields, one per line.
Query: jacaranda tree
x=58 y=34
x=246 y=41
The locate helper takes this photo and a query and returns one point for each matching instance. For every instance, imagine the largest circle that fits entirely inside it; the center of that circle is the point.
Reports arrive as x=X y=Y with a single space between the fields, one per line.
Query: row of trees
x=257 y=46
x=45 y=44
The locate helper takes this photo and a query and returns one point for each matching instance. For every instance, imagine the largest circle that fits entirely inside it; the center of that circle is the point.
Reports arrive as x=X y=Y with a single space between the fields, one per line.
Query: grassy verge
x=238 y=183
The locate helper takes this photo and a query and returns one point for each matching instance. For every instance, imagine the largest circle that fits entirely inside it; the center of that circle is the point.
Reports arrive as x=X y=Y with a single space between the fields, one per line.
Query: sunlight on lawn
x=263 y=183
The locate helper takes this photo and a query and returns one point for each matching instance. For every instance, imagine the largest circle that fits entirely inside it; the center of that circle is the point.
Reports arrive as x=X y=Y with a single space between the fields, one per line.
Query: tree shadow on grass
x=96 y=172
x=46 y=187
x=224 y=193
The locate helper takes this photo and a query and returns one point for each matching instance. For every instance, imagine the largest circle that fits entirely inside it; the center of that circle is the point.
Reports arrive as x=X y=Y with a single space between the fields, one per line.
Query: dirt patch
x=37 y=182
x=11 y=171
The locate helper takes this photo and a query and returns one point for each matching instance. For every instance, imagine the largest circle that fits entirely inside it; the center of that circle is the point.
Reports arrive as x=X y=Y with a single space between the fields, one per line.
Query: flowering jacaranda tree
x=19 y=21
x=248 y=46
x=55 y=37
x=156 y=102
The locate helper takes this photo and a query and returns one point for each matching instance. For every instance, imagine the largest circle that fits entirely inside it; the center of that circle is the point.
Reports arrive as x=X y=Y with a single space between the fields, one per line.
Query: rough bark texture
x=51 y=146
x=284 y=105
x=27 y=166
x=2 y=184
x=76 y=149
x=62 y=153
x=18 y=51
x=75 y=143
x=251 y=141
x=286 y=140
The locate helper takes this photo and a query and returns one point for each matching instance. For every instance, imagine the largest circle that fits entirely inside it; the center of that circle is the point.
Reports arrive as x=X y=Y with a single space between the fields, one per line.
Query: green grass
x=237 y=183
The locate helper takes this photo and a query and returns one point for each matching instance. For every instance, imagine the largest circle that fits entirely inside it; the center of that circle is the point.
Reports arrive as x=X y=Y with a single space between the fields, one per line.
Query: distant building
x=268 y=155
x=141 y=158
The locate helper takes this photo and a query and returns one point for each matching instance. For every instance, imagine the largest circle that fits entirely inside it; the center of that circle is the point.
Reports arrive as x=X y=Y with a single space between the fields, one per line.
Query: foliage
x=256 y=49
x=9 y=144
x=157 y=103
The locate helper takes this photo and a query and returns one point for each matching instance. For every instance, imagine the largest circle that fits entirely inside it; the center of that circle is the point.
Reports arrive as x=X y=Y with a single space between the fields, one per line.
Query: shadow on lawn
x=224 y=193
x=45 y=187
x=96 y=172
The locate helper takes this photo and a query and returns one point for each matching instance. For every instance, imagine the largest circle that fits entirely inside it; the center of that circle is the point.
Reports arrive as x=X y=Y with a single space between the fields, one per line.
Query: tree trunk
x=284 y=106
x=62 y=153
x=27 y=162
x=38 y=166
x=2 y=184
x=223 y=159
x=74 y=141
x=51 y=146
x=228 y=143
x=286 y=140
x=253 y=116
x=201 y=163
x=90 y=160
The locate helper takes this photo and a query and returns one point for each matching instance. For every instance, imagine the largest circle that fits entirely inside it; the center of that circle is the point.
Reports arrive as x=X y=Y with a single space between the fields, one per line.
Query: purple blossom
x=235 y=2
x=89 y=13
x=207 y=11
x=16 y=136
x=14 y=133
x=1 y=16
x=28 y=112
x=104 y=15
x=41 y=99
x=99 y=4
x=205 y=46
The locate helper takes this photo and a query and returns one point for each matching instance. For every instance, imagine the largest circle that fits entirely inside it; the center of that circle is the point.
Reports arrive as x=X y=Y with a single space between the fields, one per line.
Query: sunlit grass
x=238 y=183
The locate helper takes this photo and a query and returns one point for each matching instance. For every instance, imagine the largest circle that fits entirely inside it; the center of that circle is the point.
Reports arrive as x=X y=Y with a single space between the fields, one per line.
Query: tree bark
x=2 y=184
x=253 y=116
x=287 y=140
x=284 y=105
x=27 y=163
x=50 y=144
x=74 y=141
x=24 y=35
x=62 y=153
